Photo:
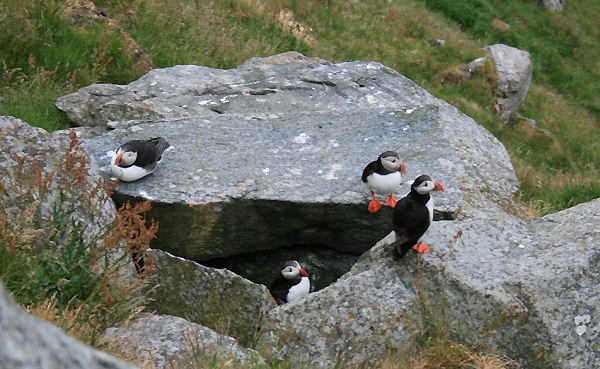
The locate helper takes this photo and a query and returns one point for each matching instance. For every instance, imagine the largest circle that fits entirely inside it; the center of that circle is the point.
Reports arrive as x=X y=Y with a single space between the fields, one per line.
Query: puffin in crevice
x=137 y=158
x=413 y=215
x=292 y=284
x=383 y=176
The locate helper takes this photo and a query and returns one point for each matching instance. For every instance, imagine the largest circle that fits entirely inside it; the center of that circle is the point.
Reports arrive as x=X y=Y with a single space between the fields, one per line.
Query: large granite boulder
x=215 y=298
x=269 y=154
x=27 y=342
x=164 y=342
x=514 y=69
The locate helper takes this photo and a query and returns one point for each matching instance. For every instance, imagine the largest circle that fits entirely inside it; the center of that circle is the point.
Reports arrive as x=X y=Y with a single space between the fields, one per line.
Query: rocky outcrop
x=44 y=173
x=514 y=70
x=30 y=343
x=528 y=290
x=269 y=155
x=164 y=342
x=513 y=73
x=356 y=321
x=215 y=298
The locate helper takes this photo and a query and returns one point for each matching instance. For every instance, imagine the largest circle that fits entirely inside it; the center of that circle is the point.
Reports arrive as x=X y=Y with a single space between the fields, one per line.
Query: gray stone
x=72 y=188
x=553 y=5
x=215 y=298
x=514 y=70
x=27 y=342
x=356 y=321
x=165 y=342
x=474 y=67
x=528 y=290
x=280 y=164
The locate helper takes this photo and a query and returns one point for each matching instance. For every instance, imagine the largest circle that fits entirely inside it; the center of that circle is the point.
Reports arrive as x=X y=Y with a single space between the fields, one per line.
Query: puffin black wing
x=148 y=151
x=410 y=220
x=280 y=288
x=369 y=169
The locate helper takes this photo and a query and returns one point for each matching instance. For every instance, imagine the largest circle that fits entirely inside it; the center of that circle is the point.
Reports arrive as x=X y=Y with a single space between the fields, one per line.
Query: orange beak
x=402 y=168
x=438 y=186
x=303 y=272
x=118 y=159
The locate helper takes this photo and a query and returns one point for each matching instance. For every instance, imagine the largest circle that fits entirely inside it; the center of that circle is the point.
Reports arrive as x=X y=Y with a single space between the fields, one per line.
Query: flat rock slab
x=276 y=161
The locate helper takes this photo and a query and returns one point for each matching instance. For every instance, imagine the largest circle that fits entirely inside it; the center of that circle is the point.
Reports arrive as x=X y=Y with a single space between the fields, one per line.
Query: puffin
x=383 y=176
x=413 y=215
x=291 y=285
x=137 y=158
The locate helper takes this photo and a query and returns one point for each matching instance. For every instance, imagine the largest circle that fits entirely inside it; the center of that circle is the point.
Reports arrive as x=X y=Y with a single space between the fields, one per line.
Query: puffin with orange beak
x=413 y=215
x=383 y=176
x=137 y=158
x=291 y=285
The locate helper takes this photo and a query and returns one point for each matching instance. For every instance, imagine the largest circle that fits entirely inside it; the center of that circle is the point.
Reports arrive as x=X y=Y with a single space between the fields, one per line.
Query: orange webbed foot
x=421 y=248
x=391 y=201
x=374 y=206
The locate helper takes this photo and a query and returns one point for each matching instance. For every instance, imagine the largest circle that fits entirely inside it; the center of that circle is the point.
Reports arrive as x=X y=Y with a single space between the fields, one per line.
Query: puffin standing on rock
x=383 y=176
x=413 y=215
x=291 y=285
x=137 y=158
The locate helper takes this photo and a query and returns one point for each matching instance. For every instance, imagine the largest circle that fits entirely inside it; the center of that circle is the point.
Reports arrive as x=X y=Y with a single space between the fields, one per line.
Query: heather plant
x=55 y=251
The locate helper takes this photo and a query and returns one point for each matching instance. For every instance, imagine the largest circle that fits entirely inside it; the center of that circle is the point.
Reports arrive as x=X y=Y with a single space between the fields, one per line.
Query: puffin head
x=125 y=157
x=424 y=184
x=391 y=161
x=292 y=269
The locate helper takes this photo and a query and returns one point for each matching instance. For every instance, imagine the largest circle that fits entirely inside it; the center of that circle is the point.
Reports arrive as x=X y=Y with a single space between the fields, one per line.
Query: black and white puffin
x=292 y=284
x=383 y=176
x=413 y=215
x=137 y=158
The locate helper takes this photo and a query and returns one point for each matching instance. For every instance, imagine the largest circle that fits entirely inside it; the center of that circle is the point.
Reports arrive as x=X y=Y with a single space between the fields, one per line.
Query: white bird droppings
x=331 y=175
x=266 y=171
x=302 y=138
x=581 y=321
x=145 y=195
x=408 y=111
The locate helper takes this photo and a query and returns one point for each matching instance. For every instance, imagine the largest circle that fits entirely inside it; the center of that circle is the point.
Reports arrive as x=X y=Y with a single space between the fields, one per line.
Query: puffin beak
x=303 y=272
x=438 y=186
x=118 y=158
x=402 y=168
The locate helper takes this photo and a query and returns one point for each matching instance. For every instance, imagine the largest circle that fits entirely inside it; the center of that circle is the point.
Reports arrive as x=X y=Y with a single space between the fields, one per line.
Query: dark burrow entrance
x=323 y=264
